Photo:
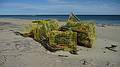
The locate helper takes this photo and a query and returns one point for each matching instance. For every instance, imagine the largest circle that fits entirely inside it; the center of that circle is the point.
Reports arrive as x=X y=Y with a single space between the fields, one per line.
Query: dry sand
x=18 y=51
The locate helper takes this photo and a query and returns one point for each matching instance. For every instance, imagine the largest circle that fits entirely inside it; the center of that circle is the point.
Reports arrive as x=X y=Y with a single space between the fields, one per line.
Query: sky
x=50 y=7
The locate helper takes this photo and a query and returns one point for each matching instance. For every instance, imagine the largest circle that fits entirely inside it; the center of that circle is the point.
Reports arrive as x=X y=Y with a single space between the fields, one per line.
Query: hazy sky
x=99 y=7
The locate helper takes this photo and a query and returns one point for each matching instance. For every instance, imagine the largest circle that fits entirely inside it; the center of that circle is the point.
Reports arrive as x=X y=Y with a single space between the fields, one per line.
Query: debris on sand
x=84 y=61
x=62 y=55
x=112 y=48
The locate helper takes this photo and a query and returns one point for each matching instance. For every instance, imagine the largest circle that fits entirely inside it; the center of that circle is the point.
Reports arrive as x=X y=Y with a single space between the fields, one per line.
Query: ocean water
x=104 y=19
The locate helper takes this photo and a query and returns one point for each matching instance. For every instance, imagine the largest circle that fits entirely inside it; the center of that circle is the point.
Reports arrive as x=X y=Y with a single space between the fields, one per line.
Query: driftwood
x=112 y=48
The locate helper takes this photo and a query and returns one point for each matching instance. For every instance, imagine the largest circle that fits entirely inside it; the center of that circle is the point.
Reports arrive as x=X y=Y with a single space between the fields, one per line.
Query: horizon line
x=59 y=14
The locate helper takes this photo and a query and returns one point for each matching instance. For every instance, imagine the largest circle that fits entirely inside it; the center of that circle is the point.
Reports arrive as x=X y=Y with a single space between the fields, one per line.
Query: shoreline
x=98 y=24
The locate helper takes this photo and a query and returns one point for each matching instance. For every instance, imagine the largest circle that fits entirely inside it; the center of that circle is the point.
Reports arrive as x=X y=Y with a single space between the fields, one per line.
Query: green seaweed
x=63 y=39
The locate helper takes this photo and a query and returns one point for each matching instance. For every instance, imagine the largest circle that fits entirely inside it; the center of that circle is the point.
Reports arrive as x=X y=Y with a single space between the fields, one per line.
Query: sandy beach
x=18 y=51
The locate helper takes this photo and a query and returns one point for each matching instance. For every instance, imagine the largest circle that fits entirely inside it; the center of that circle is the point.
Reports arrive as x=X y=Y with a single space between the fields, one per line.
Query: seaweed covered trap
x=65 y=40
x=55 y=37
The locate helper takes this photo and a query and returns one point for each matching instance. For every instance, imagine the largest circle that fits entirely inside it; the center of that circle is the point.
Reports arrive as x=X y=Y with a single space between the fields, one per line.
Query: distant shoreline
x=98 y=24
